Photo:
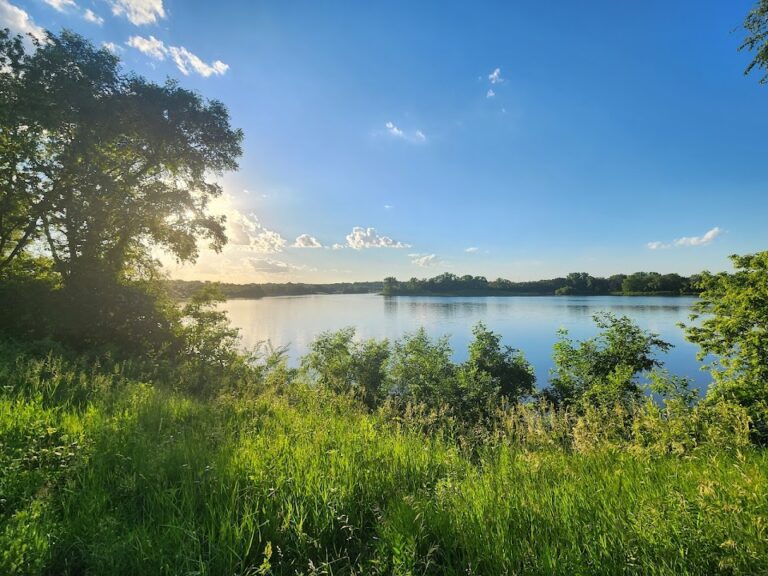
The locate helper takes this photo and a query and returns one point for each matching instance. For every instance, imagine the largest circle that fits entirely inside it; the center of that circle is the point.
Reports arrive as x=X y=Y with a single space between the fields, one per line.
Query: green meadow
x=104 y=473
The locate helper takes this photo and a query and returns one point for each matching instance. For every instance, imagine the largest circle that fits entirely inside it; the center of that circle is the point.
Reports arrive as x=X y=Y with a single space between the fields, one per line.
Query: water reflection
x=447 y=308
x=527 y=323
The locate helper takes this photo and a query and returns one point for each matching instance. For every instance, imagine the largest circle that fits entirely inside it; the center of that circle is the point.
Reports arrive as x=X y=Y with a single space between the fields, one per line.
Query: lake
x=529 y=323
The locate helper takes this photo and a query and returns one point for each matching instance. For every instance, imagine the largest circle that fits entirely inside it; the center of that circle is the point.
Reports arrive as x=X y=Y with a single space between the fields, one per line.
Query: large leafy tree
x=732 y=315
x=100 y=166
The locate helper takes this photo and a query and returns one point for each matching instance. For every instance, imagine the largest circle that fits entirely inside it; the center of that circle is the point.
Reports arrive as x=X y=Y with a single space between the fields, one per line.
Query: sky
x=521 y=140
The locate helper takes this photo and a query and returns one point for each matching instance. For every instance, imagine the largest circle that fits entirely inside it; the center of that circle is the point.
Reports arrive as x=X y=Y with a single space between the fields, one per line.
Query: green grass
x=123 y=477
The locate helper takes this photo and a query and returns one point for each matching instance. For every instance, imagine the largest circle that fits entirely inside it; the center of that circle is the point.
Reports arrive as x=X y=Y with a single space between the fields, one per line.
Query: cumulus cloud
x=151 y=46
x=271 y=266
x=306 y=241
x=244 y=230
x=495 y=76
x=267 y=242
x=396 y=132
x=361 y=238
x=185 y=60
x=18 y=21
x=61 y=5
x=471 y=249
x=490 y=93
x=139 y=12
x=707 y=238
x=424 y=260
x=92 y=17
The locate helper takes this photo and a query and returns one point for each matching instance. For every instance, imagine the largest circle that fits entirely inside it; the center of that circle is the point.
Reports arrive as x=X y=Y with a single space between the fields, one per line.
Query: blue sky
x=514 y=139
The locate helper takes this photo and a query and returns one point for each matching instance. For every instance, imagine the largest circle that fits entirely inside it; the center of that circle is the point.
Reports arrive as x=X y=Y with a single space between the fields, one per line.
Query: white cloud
x=270 y=266
x=151 y=46
x=707 y=238
x=139 y=12
x=703 y=240
x=112 y=47
x=471 y=249
x=91 y=16
x=338 y=246
x=186 y=61
x=388 y=206
x=244 y=230
x=61 y=5
x=490 y=93
x=361 y=238
x=395 y=131
x=423 y=260
x=268 y=242
x=306 y=241
x=495 y=76
x=18 y=21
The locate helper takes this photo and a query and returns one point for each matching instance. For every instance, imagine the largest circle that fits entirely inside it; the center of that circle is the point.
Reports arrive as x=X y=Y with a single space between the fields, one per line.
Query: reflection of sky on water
x=528 y=323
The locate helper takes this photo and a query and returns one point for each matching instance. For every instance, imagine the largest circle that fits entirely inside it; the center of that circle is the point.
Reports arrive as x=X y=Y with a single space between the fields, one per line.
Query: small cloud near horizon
x=424 y=260
x=707 y=238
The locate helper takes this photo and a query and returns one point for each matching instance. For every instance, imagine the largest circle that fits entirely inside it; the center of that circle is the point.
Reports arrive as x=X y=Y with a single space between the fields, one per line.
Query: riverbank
x=102 y=473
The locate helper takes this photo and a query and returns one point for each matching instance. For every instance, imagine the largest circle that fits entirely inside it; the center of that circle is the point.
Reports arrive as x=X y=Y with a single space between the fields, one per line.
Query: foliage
x=345 y=366
x=602 y=371
x=421 y=371
x=119 y=169
x=506 y=368
x=756 y=25
x=576 y=283
x=99 y=169
x=731 y=323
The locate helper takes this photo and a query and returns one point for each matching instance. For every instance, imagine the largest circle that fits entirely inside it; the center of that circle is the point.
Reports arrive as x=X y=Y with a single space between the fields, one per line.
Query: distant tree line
x=576 y=283
x=183 y=289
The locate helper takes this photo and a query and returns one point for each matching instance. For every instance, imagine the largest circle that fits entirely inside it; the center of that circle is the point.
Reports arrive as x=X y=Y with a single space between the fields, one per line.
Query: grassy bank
x=101 y=473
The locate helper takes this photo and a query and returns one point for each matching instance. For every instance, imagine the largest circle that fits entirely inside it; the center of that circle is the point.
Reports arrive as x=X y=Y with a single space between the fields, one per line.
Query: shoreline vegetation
x=137 y=437
x=575 y=284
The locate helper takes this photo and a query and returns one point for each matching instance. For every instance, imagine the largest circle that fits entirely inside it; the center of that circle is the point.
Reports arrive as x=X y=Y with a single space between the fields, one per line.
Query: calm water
x=527 y=323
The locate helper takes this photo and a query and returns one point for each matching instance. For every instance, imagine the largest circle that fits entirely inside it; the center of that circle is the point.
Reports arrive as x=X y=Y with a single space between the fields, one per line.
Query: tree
x=20 y=184
x=756 y=41
x=421 y=370
x=603 y=370
x=506 y=367
x=119 y=166
x=732 y=315
x=345 y=366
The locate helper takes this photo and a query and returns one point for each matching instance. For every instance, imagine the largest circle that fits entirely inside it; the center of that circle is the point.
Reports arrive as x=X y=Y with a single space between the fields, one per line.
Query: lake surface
x=529 y=323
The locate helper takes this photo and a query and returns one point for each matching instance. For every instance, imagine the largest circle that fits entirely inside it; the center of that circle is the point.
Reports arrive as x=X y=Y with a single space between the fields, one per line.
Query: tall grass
x=104 y=474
